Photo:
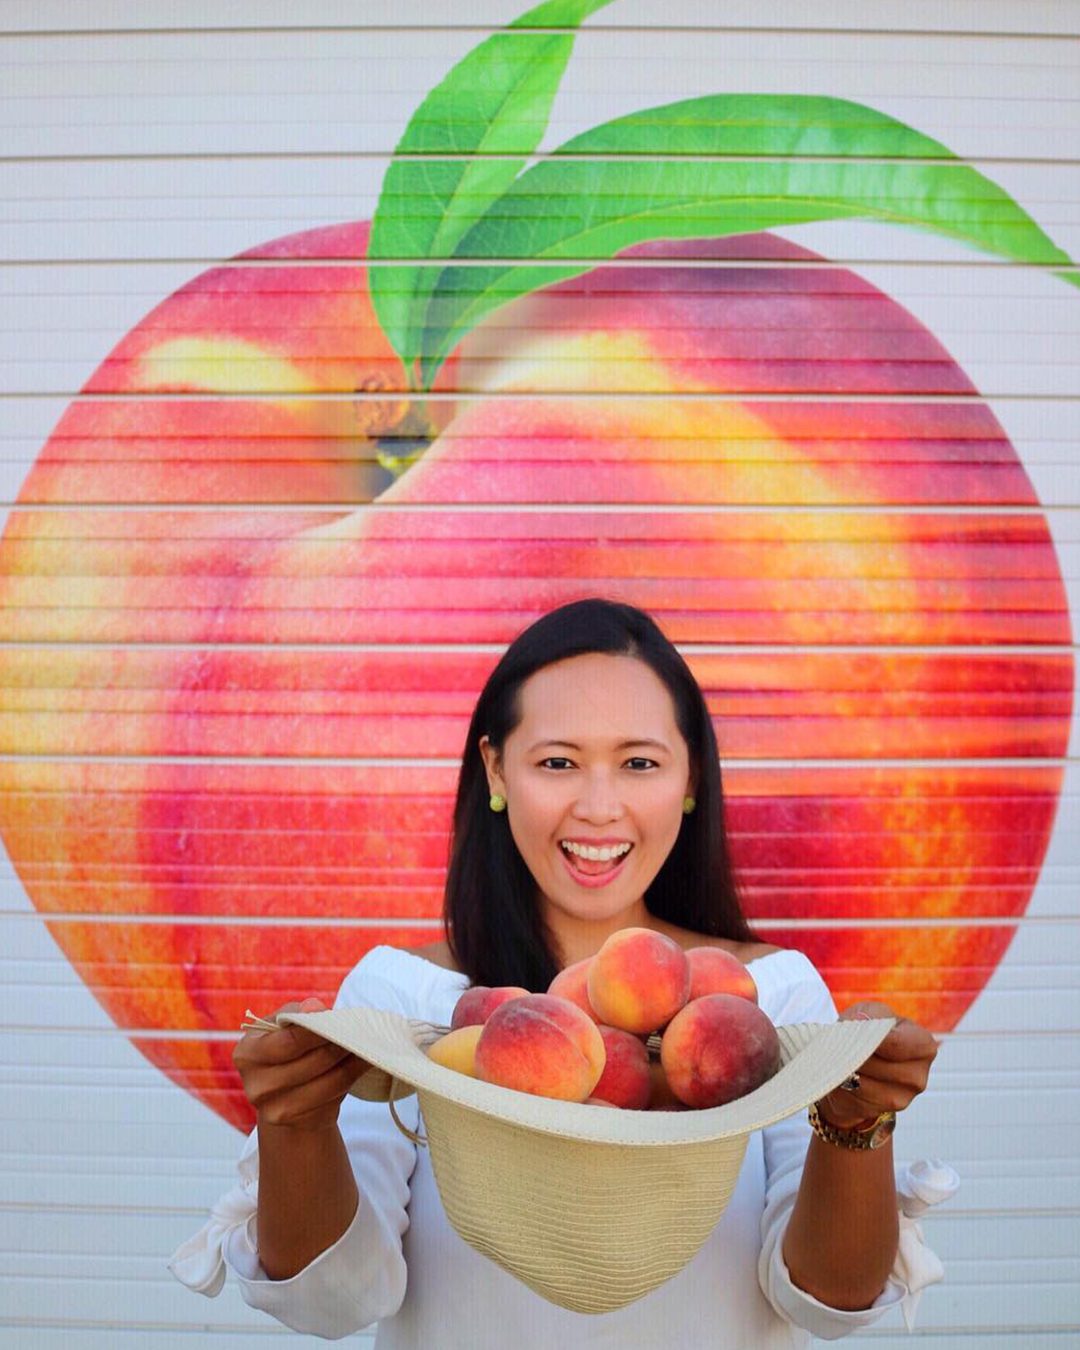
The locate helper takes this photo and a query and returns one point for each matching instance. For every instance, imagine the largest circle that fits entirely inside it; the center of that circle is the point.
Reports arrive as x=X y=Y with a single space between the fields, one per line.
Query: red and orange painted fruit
x=717 y=1048
x=714 y=970
x=638 y=980
x=477 y=1003
x=818 y=549
x=542 y=1045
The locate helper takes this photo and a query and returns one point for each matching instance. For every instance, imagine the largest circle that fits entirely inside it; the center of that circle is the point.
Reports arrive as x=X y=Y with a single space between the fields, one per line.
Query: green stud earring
x=688 y=805
x=497 y=802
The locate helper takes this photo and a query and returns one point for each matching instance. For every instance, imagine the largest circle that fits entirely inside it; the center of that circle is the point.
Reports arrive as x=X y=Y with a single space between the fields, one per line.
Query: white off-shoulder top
x=400 y=1264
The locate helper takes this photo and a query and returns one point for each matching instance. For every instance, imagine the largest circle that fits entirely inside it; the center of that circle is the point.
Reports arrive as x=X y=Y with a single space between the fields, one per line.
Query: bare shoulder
x=745 y=951
x=754 y=951
x=438 y=953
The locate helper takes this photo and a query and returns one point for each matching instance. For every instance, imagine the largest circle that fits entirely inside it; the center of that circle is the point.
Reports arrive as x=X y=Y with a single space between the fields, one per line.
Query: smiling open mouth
x=594 y=862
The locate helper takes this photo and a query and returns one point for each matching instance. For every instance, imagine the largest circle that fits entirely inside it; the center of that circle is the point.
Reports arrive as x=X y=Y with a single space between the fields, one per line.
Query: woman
x=590 y=737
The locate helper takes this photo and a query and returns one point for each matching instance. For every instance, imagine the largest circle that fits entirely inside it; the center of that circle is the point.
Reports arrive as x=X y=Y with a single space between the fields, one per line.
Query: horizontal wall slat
x=296 y=464
x=675 y=563
x=230 y=828
x=997 y=1188
x=973 y=313
x=154 y=209
x=49 y=1245
x=943 y=1113
x=1035 y=1305
x=1054 y=1010
x=992 y=1189
x=969 y=1062
x=77 y=1334
x=777 y=707
x=1018 y=1338
x=352 y=91
x=969 y=16
x=1042 y=433
x=154 y=1303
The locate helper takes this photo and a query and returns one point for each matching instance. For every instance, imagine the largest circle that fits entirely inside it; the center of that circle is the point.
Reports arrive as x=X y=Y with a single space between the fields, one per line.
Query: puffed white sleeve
x=360 y=1278
x=919 y=1185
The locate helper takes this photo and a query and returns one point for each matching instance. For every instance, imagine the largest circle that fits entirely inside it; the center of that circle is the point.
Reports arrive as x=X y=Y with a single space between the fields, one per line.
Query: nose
x=599 y=801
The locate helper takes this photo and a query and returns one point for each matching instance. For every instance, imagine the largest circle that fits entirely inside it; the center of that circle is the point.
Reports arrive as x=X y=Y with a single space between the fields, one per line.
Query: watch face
x=883 y=1131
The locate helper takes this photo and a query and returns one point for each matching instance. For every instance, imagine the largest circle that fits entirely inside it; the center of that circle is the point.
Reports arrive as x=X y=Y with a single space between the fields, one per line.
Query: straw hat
x=590 y=1207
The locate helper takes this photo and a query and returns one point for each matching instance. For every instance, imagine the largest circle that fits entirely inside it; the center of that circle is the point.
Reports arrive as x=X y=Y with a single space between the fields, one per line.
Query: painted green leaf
x=866 y=165
x=494 y=102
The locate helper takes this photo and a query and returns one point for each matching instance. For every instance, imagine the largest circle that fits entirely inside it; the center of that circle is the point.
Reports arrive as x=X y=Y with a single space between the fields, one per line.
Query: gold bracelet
x=870 y=1136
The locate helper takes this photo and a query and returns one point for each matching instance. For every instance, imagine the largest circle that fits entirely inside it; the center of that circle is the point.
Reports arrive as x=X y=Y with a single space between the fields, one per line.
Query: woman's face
x=597 y=761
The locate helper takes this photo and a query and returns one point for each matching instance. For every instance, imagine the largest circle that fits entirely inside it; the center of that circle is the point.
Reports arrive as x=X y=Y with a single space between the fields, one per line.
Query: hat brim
x=815 y=1059
x=583 y=1204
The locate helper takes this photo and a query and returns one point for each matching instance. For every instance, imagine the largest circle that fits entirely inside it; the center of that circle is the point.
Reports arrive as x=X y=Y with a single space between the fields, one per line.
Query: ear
x=492 y=765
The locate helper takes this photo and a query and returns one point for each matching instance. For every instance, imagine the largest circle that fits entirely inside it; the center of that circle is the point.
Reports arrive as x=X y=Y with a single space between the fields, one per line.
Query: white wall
x=143 y=142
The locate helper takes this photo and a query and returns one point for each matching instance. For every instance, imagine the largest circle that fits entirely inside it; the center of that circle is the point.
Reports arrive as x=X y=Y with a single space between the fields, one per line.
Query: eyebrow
x=622 y=745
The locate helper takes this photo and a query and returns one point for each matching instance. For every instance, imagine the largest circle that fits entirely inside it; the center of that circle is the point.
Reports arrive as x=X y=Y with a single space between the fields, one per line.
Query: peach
x=543 y=1045
x=718 y=1048
x=457 y=1049
x=713 y=970
x=477 y=1004
x=638 y=981
x=626 y=1080
x=572 y=983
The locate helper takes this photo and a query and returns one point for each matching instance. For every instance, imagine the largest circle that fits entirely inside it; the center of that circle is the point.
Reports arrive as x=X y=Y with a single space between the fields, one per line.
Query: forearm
x=842 y=1236
x=307 y=1196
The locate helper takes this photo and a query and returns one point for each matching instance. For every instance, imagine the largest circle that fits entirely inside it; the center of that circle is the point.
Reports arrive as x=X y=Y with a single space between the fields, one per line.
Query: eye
x=640 y=763
x=554 y=761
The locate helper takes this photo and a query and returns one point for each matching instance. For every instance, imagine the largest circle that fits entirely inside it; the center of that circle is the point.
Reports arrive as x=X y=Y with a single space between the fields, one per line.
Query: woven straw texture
x=591 y=1208
x=588 y=1226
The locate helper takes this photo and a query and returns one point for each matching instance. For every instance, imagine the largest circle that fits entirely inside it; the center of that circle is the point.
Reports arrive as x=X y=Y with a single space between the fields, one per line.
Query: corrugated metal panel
x=141 y=150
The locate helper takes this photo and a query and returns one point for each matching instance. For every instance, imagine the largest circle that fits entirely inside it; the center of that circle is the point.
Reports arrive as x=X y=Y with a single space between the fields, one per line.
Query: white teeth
x=596 y=854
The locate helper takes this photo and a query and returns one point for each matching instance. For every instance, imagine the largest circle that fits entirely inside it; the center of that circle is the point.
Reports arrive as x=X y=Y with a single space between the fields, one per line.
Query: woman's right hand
x=293 y=1077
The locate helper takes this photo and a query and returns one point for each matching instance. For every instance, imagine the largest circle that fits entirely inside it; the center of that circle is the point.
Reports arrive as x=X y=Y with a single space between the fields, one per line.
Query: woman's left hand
x=891 y=1078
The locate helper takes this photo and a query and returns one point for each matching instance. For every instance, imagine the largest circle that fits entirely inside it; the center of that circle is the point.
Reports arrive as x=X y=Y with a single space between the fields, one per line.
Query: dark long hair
x=494 y=926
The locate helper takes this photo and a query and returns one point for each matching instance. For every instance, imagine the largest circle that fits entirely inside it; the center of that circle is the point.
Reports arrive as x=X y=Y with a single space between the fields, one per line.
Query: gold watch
x=872 y=1135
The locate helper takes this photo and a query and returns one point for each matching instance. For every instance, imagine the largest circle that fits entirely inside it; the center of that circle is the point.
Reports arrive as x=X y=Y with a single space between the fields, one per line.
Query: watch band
x=868 y=1137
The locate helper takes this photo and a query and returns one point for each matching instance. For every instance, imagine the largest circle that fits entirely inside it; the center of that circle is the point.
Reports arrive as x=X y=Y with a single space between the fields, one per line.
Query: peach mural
x=289 y=524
